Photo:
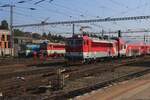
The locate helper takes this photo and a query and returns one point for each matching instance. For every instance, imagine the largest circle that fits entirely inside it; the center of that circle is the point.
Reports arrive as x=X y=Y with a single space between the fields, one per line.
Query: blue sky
x=59 y=10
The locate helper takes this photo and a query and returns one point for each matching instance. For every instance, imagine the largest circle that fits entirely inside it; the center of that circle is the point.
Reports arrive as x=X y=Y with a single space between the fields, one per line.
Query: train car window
x=124 y=46
x=102 y=45
x=5 y=44
x=121 y=46
x=85 y=43
x=8 y=37
x=9 y=44
x=110 y=45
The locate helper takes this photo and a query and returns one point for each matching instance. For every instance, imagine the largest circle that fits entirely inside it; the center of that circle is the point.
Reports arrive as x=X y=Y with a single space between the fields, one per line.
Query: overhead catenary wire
x=72 y=11
x=90 y=20
x=67 y=8
x=29 y=11
x=118 y=3
x=54 y=11
x=57 y=12
x=24 y=15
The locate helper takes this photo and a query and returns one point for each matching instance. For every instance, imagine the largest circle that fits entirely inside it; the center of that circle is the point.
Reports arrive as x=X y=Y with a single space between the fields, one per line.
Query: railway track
x=81 y=91
x=42 y=77
x=28 y=61
x=26 y=73
x=9 y=71
x=90 y=69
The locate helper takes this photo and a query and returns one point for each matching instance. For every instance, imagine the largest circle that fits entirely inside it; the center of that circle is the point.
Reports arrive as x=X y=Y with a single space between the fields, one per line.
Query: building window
x=3 y=37
x=8 y=37
x=9 y=44
x=16 y=41
x=5 y=45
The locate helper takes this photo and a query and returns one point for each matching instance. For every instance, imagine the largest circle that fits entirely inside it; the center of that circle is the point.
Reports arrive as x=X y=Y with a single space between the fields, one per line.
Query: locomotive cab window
x=70 y=42
x=74 y=42
x=78 y=42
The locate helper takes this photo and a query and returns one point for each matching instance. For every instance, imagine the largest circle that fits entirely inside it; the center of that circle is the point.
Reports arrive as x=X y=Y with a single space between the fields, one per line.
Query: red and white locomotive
x=53 y=49
x=85 y=48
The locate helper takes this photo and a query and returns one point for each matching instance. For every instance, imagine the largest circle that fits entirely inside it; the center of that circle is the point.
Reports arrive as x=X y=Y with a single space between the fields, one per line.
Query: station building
x=5 y=43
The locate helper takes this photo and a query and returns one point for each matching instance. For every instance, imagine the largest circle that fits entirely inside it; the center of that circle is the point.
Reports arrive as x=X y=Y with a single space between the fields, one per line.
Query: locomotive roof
x=103 y=40
x=136 y=44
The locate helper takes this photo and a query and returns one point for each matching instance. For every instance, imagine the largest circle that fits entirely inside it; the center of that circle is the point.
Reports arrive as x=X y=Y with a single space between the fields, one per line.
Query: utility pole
x=43 y=22
x=11 y=29
x=73 y=27
x=119 y=36
x=103 y=32
x=144 y=39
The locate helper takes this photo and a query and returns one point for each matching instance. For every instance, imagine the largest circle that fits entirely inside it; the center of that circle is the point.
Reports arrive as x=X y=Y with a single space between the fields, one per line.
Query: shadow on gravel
x=141 y=64
x=49 y=64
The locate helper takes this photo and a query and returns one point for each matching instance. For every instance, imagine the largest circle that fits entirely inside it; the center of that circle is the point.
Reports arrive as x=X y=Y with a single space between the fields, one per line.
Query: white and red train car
x=83 y=47
x=137 y=49
x=53 y=49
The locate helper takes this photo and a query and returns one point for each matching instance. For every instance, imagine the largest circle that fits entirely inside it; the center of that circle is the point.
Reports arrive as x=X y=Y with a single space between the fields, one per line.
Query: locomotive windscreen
x=74 y=42
x=43 y=46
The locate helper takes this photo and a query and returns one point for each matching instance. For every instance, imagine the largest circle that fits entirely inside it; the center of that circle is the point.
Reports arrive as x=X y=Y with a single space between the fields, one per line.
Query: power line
x=39 y=2
x=118 y=3
x=56 y=11
x=27 y=8
x=47 y=9
x=72 y=11
x=88 y=21
x=23 y=9
x=24 y=15
x=60 y=4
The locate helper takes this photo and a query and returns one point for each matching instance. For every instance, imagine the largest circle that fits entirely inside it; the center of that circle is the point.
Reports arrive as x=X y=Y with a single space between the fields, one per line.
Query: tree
x=44 y=36
x=49 y=36
x=17 y=32
x=36 y=36
x=4 y=25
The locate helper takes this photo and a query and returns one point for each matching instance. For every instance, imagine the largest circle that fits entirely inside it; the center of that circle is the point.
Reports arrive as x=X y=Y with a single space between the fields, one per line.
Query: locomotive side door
x=86 y=49
x=89 y=48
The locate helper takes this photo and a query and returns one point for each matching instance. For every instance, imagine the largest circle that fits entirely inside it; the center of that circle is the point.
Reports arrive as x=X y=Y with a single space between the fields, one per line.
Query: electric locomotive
x=86 y=48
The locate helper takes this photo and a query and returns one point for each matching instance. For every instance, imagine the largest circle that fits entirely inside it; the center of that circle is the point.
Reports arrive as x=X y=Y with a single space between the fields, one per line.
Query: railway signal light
x=119 y=33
